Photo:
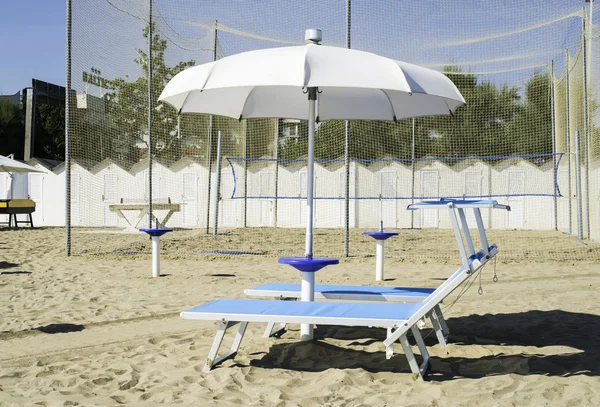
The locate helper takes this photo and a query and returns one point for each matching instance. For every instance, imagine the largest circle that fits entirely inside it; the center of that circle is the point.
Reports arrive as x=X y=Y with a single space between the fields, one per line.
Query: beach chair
x=291 y=291
x=397 y=318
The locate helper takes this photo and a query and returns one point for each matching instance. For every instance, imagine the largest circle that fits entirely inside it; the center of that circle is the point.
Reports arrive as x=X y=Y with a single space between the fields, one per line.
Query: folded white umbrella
x=315 y=83
x=10 y=165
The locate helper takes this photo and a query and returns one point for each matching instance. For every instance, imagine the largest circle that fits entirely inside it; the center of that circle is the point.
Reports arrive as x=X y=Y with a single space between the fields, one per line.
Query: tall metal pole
x=218 y=185
x=246 y=173
x=150 y=113
x=210 y=133
x=276 y=170
x=553 y=119
x=586 y=137
x=578 y=190
x=568 y=138
x=412 y=169
x=347 y=147
x=68 y=132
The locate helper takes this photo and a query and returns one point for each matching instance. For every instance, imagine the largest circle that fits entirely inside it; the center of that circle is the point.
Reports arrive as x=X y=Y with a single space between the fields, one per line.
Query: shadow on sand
x=578 y=331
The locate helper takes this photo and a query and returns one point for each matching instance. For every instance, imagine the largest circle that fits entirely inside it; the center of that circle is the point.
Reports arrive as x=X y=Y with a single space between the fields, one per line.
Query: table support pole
x=379 y=259
x=155 y=256
x=307 y=294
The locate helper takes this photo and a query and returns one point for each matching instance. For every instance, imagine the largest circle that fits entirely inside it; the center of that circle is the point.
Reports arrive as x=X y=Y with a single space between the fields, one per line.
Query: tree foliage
x=11 y=129
x=128 y=103
x=50 y=138
x=495 y=121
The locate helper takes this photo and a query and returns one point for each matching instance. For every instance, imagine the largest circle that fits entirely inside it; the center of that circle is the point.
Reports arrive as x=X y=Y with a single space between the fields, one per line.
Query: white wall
x=93 y=191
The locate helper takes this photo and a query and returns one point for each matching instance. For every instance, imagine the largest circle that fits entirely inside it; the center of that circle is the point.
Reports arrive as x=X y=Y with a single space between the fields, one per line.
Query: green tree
x=531 y=130
x=128 y=105
x=50 y=133
x=12 y=129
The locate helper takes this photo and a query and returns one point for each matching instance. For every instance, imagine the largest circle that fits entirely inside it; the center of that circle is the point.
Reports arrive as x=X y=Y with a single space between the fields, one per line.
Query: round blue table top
x=156 y=231
x=307 y=264
x=379 y=235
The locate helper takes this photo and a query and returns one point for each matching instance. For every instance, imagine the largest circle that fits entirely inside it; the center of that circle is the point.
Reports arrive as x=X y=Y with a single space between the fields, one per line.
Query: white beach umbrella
x=10 y=165
x=315 y=83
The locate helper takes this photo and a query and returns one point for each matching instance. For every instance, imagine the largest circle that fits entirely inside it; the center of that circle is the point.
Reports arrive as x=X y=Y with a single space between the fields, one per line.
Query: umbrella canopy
x=10 y=165
x=311 y=82
x=272 y=83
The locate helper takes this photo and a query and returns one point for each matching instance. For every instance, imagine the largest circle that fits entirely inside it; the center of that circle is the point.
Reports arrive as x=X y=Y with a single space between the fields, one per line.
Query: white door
x=266 y=200
x=155 y=188
x=189 y=200
x=302 y=202
x=36 y=194
x=388 y=206
x=4 y=184
x=516 y=186
x=4 y=180
x=473 y=190
x=75 y=211
x=228 y=208
x=430 y=189
x=342 y=199
x=110 y=196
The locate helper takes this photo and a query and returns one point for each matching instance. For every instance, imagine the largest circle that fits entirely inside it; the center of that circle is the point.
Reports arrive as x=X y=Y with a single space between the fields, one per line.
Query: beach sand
x=99 y=330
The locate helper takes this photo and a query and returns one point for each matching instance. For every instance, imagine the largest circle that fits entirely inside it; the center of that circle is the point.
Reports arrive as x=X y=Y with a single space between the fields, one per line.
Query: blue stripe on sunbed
x=384 y=311
x=350 y=289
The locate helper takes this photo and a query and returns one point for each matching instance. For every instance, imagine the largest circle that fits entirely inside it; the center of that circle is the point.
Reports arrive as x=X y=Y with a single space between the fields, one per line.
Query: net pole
x=69 y=22
x=246 y=173
x=586 y=158
x=276 y=170
x=150 y=114
x=347 y=147
x=412 y=170
x=218 y=185
x=578 y=189
x=210 y=137
x=568 y=138
x=553 y=120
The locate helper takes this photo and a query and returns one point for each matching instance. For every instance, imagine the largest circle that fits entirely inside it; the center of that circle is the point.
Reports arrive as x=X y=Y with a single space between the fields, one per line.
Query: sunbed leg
x=212 y=359
x=437 y=328
x=270 y=332
x=442 y=320
x=410 y=356
x=423 y=349
x=389 y=350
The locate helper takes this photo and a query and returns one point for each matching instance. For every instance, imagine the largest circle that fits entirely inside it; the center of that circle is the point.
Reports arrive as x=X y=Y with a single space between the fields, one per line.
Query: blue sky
x=33 y=43
x=426 y=32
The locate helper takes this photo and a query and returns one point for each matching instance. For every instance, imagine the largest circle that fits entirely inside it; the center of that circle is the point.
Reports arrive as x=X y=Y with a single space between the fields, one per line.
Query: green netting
x=522 y=70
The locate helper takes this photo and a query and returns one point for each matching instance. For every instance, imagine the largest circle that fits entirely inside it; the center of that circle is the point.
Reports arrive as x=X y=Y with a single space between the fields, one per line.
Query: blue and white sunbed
x=284 y=291
x=397 y=318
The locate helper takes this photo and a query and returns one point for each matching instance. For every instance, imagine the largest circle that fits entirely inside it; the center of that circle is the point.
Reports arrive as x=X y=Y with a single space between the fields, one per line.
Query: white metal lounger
x=397 y=318
x=353 y=293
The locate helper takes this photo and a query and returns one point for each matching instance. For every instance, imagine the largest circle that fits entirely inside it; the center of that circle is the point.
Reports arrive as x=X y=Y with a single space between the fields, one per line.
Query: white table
x=143 y=210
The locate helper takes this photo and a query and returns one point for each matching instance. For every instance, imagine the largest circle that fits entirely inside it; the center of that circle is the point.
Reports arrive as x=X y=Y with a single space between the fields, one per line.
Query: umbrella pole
x=310 y=176
x=308 y=278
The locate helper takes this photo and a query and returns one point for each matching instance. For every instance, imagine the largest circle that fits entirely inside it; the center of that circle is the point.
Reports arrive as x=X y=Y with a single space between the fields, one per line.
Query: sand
x=99 y=330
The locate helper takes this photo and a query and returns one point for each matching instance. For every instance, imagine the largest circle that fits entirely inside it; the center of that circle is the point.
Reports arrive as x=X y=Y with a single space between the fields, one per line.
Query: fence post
x=218 y=185
x=246 y=173
x=347 y=147
x=586 y=158
x=578 y=188
x=276 y=170
x=150 y=113
x=568 y=139
x=68 y=132
x=210 y=133
x=555 y=200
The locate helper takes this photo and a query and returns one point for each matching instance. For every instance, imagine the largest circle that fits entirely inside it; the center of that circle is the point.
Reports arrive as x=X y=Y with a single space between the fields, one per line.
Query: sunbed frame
x=399 y=319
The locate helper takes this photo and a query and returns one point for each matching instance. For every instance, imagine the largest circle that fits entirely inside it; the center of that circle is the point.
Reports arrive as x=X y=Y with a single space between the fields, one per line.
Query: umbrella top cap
x=313 y=36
